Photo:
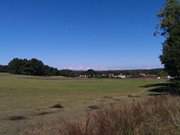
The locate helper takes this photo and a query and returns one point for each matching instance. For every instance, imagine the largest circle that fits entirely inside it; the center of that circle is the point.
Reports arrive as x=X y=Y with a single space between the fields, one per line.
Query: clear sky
x=81 y=34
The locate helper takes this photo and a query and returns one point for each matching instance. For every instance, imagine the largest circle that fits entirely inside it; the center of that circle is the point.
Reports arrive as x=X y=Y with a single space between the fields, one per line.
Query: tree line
x=3 y=68
x=30 y=67
x=35 y=67
x=38 y=68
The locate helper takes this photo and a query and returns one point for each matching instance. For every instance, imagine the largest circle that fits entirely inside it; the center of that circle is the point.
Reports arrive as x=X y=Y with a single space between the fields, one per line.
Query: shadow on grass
x=170 y=87
x=17 y=118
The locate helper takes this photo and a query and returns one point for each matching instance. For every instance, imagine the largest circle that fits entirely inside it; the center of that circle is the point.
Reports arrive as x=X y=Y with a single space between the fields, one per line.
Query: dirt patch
x=134 y=96
x=44 y=113
x=57 y=106
x=93 y=107
x=17 y=118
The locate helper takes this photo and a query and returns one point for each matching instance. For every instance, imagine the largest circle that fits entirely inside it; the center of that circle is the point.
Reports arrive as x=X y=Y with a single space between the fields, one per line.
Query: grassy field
x=31 y=98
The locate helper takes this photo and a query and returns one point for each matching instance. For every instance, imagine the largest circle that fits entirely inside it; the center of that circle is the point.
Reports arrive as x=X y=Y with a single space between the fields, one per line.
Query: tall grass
x=152 y=116
x=155 y=116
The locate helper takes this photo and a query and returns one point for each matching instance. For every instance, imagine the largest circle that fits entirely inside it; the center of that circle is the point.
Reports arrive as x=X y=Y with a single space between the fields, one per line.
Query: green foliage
x=3 y=68
x=37 y=67
x=163 y=73
x=67 y=73
x=170 y=25
x=91 y=73
x=30 y=67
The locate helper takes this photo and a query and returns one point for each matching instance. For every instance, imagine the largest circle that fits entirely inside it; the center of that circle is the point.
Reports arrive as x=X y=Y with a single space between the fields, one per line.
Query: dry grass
x=153 y=116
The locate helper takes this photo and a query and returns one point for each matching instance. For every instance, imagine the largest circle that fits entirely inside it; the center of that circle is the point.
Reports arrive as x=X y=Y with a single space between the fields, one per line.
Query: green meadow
x=27 y=100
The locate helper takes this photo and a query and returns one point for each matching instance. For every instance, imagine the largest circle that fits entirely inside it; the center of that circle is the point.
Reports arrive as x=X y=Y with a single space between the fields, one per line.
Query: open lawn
x=25 y=101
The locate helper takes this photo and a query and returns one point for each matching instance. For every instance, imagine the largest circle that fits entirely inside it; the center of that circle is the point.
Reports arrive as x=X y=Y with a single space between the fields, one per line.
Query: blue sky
x=81 y=34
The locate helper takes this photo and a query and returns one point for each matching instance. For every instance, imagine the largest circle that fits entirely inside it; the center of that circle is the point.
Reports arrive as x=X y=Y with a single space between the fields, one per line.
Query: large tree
x=170 y=29
x=30 y=67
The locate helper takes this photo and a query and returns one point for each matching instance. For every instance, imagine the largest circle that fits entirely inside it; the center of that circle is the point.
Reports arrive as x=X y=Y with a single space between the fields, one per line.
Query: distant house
x=142 y=74
x=119 y=76
x=83 y=76
x=110 y=75
x=170 y=77
x=148 y=76
x=104 y=75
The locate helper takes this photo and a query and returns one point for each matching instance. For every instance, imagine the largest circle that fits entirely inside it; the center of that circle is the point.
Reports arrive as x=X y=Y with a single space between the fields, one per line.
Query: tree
x=67 y=73
x=36 y=67
x=30 y=67
x=15 y=66
x=170 y=26
x=3 y=68
x=51 y=71
x=91 y=73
